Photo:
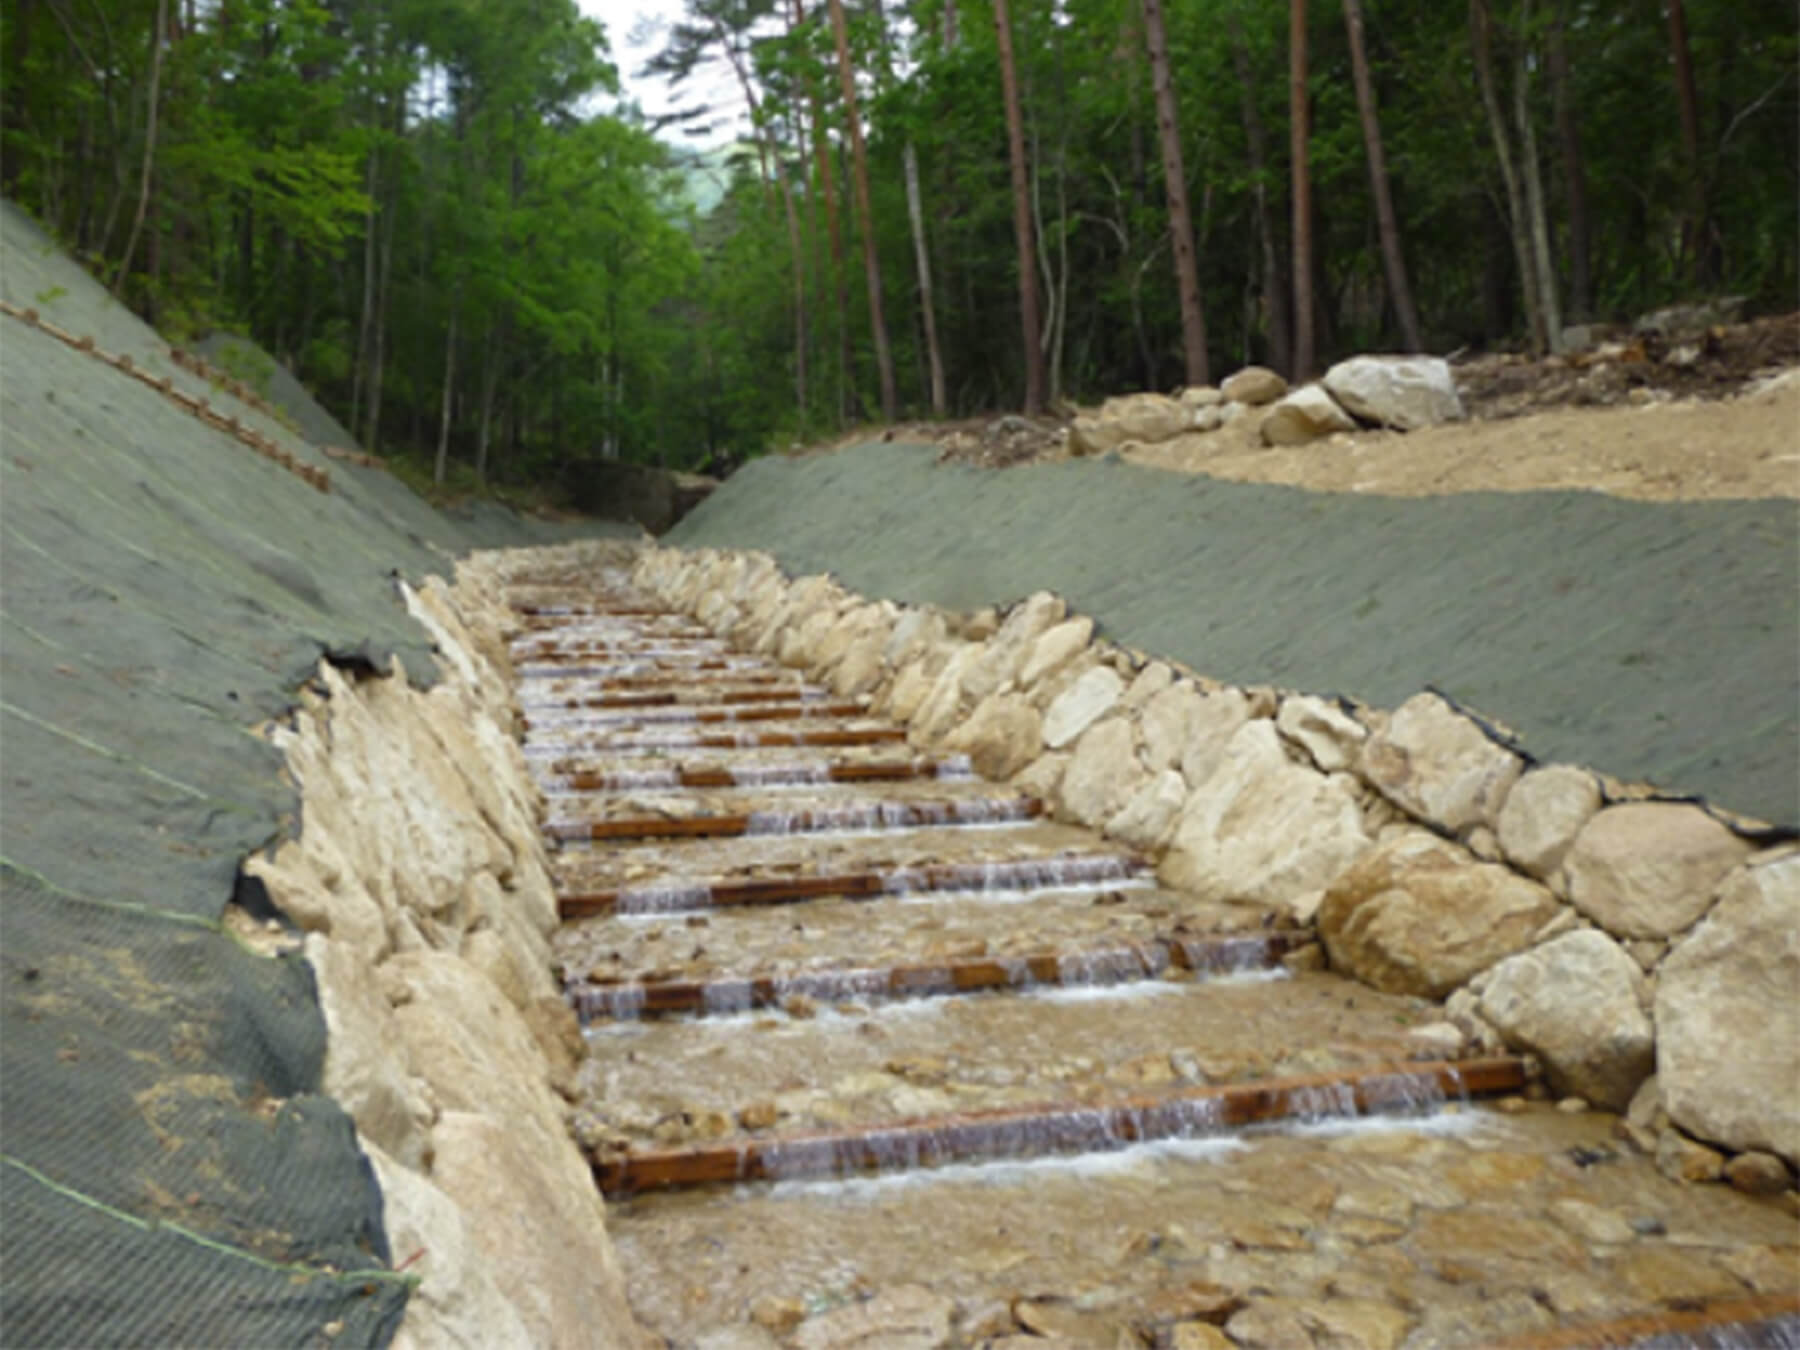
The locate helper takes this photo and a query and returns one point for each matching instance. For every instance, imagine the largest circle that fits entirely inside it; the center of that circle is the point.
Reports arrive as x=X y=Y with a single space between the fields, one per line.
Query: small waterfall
x=722 y=998
x=956 y=767
x=1238 y=955
x=1321 y=1101
x=778 y=822
x=618 y=1003
x=1106 y=966
x=794 y=773
x=645 y=901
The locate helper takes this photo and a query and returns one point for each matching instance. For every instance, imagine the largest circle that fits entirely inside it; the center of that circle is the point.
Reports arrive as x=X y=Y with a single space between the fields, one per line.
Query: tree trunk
x=828 y=190
x=1481 y=39
x=1399 y=288
x=1534 y=192
x=1181 y=225
x=143 y=207
x=367 y=318
x=859 y=163
x=1021 y=188
x=484 y=414
x=1697 y=253
x=1581 y=283
x=799 y=257
x=442 y=462
x=1301 y=191
x=915 y=211
x=378 y=354
x=1275 y=287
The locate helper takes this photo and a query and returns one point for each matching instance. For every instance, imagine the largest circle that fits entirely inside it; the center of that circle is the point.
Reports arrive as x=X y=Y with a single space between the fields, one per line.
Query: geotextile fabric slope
x=1654 y=641
x=168 y=1172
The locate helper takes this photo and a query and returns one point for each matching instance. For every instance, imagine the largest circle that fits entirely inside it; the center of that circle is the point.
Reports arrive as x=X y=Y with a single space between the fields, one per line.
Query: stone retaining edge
x=421 y=897
x=1645 y=948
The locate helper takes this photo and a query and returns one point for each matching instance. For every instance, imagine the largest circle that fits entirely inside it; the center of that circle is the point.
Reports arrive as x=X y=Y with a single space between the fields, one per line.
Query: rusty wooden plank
x=589 y=611
x=680 y=896
x=867 y=815
x=718 y=776
x=761 y=740
x=1054 y=1127
x=596 y=1000
x=672 y=697
x=768 y=712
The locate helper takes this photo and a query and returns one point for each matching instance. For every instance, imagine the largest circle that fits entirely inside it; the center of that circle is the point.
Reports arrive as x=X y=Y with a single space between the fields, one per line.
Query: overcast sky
x=636 y=30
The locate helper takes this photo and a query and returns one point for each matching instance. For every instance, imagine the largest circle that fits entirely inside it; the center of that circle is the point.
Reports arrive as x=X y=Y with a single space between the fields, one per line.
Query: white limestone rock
x=1324 y=730
x=1263 y=829
x=1577 y=1002
x=1543 y=813
x=1211 y=723
x=1728 y=1016
x=1002 y=736
x=1253 y=386
x=1418 y=915
x=1054 y=649
x=1304 y=415
x=1440 y=766
x=1081 y=705
x=1103 y=774
x=1148 y=819
x=1405 y=392
x=1649 y=869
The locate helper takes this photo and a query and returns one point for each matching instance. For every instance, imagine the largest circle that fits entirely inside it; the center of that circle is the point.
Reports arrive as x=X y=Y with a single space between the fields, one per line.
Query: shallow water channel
x=824 y=1027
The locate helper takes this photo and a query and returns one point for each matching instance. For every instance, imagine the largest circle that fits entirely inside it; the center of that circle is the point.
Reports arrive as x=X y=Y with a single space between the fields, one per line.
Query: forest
x=444 y=218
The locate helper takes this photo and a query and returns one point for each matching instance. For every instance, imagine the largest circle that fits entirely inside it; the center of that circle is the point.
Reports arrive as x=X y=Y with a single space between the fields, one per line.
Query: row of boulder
x=1400 y=392
x=1645 y=950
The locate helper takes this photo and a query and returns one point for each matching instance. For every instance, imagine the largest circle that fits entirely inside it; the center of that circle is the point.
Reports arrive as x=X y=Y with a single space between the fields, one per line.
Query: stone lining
x=419 y=886
x=1540 y=901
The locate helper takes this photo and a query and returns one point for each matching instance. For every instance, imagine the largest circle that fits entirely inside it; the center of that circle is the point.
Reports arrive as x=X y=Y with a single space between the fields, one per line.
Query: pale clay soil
x=1674 y=449
x=1685 y=450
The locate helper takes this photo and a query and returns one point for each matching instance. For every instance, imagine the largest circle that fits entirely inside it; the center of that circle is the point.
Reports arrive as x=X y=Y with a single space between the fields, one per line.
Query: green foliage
x=392 y=193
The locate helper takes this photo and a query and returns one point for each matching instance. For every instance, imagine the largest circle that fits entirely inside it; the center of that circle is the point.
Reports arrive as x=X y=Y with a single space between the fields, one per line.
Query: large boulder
x=1002 y=736
x=1130 y=417
x=1263 y=829
x=1006 y=652
x=1397 y=391
x=1081 y=705
x=1728 y=1016
x=1543 y=813
x=1104 y=773
x=1054 y=649
x=1210 y=726
x=1165 y=724
x=1304 y=415
x=1418 y=915
x=541 y=1235
x=1577 y=1002
x=1434 y=763
x=1324 y=730
x=1253 y=386
x=1146 y=821
x=1649 y=869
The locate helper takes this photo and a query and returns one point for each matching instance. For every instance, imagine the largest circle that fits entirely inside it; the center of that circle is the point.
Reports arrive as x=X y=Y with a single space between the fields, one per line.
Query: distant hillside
x=706 y=174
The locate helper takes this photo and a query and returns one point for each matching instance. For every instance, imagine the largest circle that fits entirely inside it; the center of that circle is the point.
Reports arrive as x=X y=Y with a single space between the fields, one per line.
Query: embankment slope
x=170 y=1172
x=1652 y=640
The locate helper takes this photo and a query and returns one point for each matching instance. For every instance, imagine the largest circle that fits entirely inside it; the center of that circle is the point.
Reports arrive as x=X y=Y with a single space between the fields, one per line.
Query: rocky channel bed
x=1480 y=900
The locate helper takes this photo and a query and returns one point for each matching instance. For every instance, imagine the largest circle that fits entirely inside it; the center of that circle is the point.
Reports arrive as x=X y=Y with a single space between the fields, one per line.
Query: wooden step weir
x=1052 y=1128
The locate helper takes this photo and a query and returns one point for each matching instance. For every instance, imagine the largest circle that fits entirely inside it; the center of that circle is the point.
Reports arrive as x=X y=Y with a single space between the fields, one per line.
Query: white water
x=1015 y=1172
x=1026 y=893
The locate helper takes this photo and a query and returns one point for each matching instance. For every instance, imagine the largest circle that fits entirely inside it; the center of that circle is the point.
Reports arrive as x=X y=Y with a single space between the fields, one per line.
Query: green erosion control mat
x=169 y=1174
x=1651 y=640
